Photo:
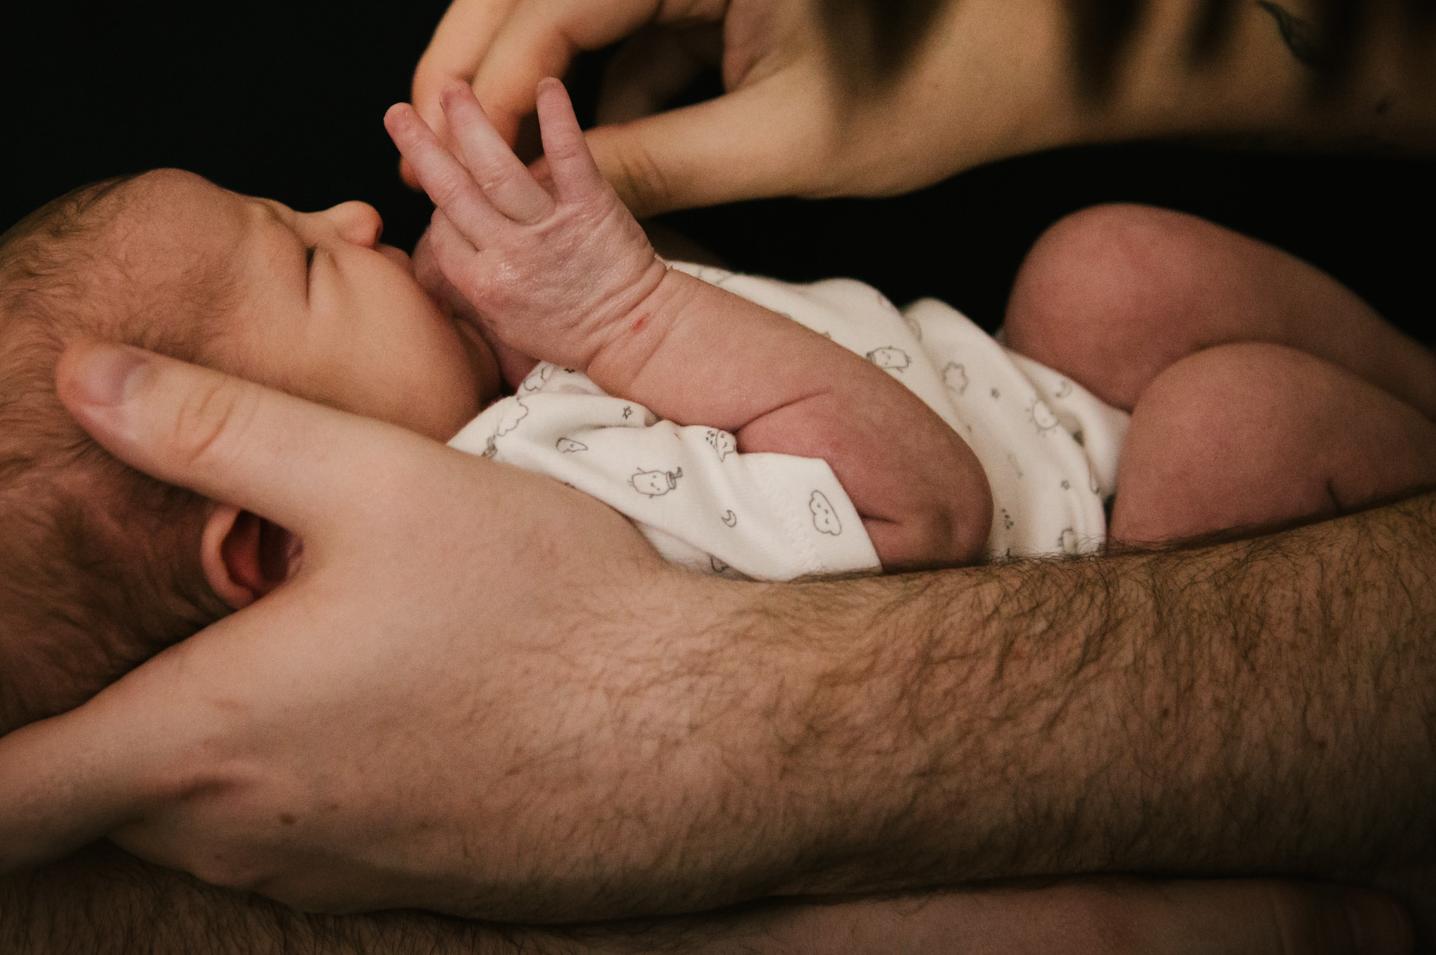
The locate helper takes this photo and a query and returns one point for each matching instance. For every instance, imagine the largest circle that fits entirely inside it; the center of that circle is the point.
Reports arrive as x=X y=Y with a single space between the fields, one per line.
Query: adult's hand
x=824 y=100
x=418 y=704
x=790 y=124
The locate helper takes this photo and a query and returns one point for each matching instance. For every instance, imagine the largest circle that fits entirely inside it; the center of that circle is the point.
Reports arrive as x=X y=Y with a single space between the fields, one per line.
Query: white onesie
x=1049 y=448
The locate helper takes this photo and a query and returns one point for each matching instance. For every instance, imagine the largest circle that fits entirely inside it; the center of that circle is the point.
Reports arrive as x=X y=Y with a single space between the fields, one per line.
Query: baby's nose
x=357 y=222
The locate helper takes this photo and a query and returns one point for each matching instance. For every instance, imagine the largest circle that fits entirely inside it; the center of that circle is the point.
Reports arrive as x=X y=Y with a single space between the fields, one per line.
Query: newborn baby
x=739 y=439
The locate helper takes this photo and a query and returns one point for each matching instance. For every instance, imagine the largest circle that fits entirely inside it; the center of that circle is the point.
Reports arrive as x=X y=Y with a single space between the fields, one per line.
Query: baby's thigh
x=1253 y=435
x=1104 y=294
x=1115 y=294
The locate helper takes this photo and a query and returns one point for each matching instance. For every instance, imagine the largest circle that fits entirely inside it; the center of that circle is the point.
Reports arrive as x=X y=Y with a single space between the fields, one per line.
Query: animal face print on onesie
x=655 y=483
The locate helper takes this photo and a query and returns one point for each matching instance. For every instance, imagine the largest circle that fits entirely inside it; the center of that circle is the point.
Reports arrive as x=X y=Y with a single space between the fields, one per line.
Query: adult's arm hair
x=1263 y=705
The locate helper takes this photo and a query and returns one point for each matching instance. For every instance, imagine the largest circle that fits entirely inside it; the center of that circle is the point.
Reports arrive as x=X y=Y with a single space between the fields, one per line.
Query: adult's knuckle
x=210 y=422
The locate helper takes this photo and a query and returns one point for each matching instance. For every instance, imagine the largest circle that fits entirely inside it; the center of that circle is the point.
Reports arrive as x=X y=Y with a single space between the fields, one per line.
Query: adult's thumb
x=747 y=144
x=294 y=462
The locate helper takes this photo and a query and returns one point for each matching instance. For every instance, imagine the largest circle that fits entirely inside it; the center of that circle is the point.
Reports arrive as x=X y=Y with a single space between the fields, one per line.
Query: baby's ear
x=245 y=556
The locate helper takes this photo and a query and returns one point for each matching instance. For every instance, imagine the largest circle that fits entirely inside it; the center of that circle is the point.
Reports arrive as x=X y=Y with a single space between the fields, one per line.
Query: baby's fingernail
x=108 y=374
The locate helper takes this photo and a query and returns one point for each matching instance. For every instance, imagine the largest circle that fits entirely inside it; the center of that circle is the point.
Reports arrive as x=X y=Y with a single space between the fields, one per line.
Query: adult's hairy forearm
x=1264 y=82
x=1272 y=77
x=1263 y=705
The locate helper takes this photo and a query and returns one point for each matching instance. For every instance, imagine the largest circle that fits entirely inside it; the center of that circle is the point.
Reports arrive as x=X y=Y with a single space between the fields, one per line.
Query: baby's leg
x=1115 y=294
x=1251 y=435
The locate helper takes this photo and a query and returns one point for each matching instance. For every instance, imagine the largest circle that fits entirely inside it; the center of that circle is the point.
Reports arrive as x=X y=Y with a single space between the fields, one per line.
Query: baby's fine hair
x=99 y=568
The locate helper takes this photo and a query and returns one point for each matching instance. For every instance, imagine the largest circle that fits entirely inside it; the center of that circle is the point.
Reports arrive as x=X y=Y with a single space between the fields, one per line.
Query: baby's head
x=102 y=566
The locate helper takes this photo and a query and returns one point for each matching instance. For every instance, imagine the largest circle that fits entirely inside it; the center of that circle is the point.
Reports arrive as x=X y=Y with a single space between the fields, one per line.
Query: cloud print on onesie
x=825 y=519
x=515 y=412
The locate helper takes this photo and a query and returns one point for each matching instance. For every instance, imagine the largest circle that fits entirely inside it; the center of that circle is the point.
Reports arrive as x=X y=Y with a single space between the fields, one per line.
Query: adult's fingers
x=459 y=43
x=65 y=782
x=75 y=778
x=541 y=37
x=1259 y=917
x=747 y=144
x=1112 y=917
x=652 y=68
x=280 y=457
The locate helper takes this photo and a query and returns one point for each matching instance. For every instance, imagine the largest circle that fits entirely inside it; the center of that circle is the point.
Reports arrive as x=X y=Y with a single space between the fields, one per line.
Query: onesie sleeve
x=699 y=501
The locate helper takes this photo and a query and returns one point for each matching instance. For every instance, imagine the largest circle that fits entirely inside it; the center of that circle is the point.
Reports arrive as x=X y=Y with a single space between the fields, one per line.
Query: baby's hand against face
x=551 y=270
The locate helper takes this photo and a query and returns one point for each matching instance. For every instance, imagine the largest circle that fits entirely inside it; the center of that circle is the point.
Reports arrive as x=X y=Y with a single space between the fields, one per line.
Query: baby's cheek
x=439 y=393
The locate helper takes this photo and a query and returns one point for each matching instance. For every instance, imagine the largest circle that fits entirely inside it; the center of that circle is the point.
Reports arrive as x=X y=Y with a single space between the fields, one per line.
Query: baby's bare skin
x=1222 y=438
x=567 y=275
x=1263 y=392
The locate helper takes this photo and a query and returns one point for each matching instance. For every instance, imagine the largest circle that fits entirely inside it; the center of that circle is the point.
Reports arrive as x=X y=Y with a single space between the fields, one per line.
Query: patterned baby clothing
x=1049 y=448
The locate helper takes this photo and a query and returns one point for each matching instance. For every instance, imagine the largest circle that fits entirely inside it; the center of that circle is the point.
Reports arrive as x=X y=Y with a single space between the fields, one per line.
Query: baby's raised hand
x=551 y=269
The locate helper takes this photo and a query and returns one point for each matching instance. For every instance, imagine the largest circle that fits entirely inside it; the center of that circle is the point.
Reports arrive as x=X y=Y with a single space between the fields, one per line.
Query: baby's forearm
x=696 y=354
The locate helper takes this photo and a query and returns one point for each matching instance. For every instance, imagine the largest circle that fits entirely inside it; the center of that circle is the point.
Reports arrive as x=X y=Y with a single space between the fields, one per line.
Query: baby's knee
x=1106 y=296
x=1091 y=272
x=1239 y=389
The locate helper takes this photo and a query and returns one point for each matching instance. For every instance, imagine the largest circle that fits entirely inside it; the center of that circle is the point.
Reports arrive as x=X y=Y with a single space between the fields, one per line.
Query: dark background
x=285 y=99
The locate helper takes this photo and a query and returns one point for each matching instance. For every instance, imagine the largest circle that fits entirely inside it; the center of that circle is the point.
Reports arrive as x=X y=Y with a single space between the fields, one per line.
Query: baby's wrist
x=632 y=340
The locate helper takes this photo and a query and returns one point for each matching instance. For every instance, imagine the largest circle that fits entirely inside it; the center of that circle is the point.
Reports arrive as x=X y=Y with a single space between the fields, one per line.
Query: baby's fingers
x=460 y=43
x=443 y=177
x=571 y=165
x=505 y=180
x=454 y=255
